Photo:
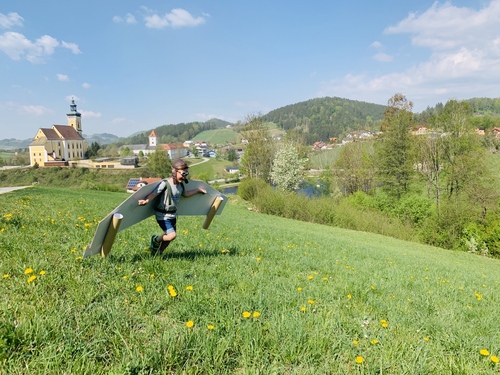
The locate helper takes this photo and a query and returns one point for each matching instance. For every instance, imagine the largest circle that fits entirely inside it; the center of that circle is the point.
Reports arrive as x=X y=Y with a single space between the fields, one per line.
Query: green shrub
x=413 y=209
x=249 y=188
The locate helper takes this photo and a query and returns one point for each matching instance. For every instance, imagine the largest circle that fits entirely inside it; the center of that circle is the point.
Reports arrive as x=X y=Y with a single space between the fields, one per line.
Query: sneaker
x=154 y=245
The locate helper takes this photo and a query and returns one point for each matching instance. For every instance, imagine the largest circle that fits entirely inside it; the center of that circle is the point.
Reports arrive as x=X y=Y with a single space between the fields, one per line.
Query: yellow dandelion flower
x=6 y=275
x=189 y=324
x=325 y=278
x=31 y=279
x=374 y=341
x=426 y=338
x=210 y=327
x=258 y=259
x=152 y=275
x=43 y=272
x=79 y=258
x=310 y=277
x=27 y=271
x=299 y=288
x=349 y=296
x=189 y=287
x=171 y=291
x=310 y=301
x=303 y=308
x=494 y=359
x=484 y=352
x=256 y=314
x=139 y=288
x=359 y=359
x=246 y=314
x=355 y=342
x=125 y=277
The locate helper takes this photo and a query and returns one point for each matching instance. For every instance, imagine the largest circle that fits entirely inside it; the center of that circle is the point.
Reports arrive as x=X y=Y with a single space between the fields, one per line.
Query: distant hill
x=322 y=118
x=176 y=132
x=102 y=139
x=14 y=144
x=218 y=136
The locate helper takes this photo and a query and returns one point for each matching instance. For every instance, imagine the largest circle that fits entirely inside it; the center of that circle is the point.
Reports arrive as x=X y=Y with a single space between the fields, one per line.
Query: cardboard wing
x=131 y=213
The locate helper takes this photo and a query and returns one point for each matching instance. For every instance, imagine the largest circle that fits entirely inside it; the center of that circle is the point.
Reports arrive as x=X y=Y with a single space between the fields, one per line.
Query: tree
x=429 y=159
x=286 y=171
x=459 y=145
x=93 y=150
x=231 y=155
x=394 y=153
x=125 y=151
x=354 y=169
x=159 y=165
x=259 y=152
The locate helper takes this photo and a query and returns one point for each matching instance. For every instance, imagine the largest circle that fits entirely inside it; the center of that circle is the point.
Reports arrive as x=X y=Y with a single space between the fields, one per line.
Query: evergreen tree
x=394 y=153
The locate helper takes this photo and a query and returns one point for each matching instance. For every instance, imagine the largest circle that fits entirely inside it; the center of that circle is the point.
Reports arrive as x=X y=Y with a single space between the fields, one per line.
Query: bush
x=413 y=209
x=249 y=188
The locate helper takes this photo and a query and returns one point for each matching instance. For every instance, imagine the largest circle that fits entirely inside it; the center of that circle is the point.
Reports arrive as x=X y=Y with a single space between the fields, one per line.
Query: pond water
x=310 y=189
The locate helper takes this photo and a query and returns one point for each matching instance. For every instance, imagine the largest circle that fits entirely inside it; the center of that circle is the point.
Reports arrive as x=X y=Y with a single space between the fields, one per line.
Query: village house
x=174 y=150
x=60 y=144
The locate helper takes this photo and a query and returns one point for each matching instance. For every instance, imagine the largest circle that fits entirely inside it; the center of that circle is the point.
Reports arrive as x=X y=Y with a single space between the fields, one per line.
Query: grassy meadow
x=218 y=136
x=253 y=294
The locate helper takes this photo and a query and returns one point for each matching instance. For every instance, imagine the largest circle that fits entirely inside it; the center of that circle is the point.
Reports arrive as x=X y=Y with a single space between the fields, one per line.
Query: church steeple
x=75 y=117
x=153 y=139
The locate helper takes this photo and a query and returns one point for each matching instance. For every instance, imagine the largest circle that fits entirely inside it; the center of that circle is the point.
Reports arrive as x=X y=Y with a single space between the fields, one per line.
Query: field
x=254 y=294
x=213 y=169
x=218 y=136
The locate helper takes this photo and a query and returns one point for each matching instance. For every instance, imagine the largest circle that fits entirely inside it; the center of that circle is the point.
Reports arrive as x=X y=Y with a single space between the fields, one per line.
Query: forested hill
x=323 y=118
x=176 y=133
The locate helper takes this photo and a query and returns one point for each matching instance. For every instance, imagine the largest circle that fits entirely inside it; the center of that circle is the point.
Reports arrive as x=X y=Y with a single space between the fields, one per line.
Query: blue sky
x=135 y=65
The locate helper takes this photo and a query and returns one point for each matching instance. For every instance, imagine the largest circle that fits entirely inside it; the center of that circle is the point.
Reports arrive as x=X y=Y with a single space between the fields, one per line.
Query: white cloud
x=86 y=85
x=176 y=18
x=445 y=26
x=35 y=110
x=72 y=47
x=118 y=120
x=128 y=19
x=380 y=55
x=464 y=60
x=91 y=114
x=383 y=57
x=17 y=47
x=206 y=116
x=10 y=20
x=62 y=77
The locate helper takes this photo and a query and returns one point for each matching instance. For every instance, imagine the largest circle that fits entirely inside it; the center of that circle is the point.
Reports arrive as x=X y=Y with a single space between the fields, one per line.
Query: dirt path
x=9 y=189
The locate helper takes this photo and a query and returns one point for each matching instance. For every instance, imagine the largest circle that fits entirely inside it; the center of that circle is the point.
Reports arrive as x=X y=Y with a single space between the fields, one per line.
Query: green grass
x=213 y=169
x=322 y=294
x=218 y=136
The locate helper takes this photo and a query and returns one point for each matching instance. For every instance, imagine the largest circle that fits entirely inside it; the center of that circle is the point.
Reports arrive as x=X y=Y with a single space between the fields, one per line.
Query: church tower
x=153 y=139
x=75 y=118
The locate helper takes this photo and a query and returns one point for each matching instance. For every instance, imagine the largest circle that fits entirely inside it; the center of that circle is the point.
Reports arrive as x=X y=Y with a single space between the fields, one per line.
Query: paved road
x=9 y=189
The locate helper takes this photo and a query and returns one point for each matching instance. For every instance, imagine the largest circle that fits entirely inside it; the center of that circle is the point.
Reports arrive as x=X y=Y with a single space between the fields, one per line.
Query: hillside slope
x=253 y=294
